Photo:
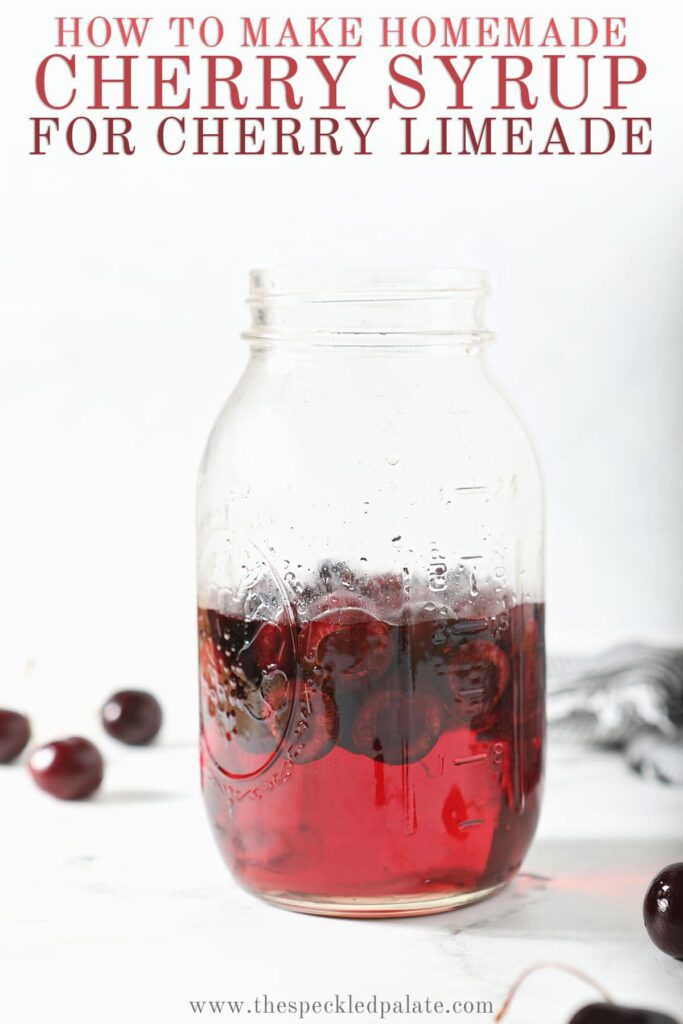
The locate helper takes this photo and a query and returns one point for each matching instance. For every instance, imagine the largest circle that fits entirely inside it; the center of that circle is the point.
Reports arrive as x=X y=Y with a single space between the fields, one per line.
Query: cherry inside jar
x=371 y=618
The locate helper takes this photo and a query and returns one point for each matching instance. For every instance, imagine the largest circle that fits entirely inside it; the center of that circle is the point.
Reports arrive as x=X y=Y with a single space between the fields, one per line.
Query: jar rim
x=367 y=307
x=357 y=284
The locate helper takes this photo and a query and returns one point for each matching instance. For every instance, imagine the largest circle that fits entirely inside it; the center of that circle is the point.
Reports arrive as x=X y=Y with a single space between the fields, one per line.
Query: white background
x=121 y=301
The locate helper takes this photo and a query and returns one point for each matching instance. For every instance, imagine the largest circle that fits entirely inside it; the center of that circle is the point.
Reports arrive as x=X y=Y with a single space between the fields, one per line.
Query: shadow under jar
x=370 y=547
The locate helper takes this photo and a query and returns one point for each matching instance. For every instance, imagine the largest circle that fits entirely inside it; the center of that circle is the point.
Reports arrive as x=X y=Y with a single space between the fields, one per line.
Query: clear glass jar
x=370 y=547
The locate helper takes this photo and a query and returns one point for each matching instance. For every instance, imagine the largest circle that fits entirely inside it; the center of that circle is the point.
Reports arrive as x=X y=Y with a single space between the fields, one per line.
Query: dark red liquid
x=349 y=758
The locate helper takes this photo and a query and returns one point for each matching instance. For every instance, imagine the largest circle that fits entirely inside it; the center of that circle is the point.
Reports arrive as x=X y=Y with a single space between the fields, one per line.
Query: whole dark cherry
x=69 y=769
x=663 y=910
x=608 y=1013
x=132 y=716
x=397 y=727
x=346 y=645
x=15 y=732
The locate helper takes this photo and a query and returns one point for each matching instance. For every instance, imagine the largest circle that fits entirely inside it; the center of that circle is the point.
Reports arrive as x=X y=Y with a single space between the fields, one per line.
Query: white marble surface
x=120 y=909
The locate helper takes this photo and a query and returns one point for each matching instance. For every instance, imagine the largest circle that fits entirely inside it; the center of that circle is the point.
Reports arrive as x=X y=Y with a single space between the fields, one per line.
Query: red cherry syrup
x=353 y=761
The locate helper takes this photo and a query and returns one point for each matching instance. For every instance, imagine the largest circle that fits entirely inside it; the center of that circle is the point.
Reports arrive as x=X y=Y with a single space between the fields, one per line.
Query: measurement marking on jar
x=471 y=490
x=468 y=626
x=470 y=823
x=470 y=558
x=470 y=760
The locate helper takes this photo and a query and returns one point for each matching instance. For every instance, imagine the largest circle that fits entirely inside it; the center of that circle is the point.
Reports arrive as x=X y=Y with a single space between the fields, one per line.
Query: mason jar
x=370 y=613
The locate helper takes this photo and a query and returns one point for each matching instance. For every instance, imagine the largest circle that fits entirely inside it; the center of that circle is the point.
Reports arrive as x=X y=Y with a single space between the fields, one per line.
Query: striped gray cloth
x=629 y=698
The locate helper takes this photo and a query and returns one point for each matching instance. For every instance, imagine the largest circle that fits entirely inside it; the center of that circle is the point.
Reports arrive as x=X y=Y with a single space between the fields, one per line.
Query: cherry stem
x=553 y=966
